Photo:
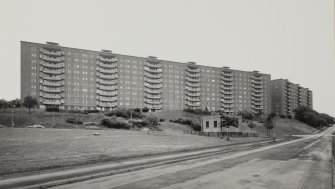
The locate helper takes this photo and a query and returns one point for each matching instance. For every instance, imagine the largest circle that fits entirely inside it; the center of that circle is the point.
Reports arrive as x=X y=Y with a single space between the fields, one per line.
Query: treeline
x=313 y=118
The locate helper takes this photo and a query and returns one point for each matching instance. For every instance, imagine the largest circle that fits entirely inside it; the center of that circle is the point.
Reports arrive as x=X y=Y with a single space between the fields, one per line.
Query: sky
x=290 y=39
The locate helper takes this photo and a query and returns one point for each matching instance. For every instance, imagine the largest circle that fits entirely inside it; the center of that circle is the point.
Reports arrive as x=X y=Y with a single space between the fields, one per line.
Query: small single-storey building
x=211 y=124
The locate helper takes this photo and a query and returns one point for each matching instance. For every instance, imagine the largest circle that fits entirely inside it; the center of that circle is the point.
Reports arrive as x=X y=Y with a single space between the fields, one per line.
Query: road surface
x=305 y=163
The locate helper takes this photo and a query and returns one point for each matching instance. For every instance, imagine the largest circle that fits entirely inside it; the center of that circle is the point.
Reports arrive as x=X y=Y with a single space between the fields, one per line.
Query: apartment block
x=287 y=96
x=72 y=78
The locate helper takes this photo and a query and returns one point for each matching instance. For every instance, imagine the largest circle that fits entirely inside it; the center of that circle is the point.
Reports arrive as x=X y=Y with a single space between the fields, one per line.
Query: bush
x=145 y=109
x=197 y=111
x=74 y=121
x=151 y=121
x=52 y=110
x=312 y=117
x=161 y=120
x=125 y=113
x=115 y=123
x=92 y=111
x=195 y=124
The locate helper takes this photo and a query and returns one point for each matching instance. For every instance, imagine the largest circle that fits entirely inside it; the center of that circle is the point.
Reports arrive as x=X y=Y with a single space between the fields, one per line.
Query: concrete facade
x=71 y=78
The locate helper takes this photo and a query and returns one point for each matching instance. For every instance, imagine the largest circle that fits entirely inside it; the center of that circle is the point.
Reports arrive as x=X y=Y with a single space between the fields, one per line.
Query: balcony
x=153 y=64
x=51 y=90
x=52 y=53
x=192 y=79
x=193 y=69
x=48 y=96
x=107 y=82
x=257 y=107
x=106 y=99
x=257 y=94
x=108 y=94
x=190 y=84
x=106 y=71
x=107 y=104
x=49 y=65
x=227 y=101
x=228 y=74
x=192 y=89
x=155 y=107
x=257 y=82
x=153 y=76
x=257 y=77
x=53 y=84
x=104 y=65
x=192 y=99
x=153 y=70
x=154 y=81
x=152 y=102
x=52 y=59
x=193 y=104
x=257 y=103
x=228 y=110
x=52 y=102
x=153 y=96
x=257 y=86
x=53 y=72
x=159 y=86
x=227 y=97
x=107 y=59
x=107 y=88
x=195 y=94
x=227 y=87
x=257 y=99
x=152 y=91
x=107 y=77
x=194 y=75
x=227 y=105
x=52 y=78
x=227 y=92
x=225 y=78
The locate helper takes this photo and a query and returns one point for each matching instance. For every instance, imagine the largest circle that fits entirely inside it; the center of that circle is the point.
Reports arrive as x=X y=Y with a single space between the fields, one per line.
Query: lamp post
x=12 y=119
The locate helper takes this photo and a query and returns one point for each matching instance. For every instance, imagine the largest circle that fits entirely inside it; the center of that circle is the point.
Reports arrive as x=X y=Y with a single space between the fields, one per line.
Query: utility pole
x=53 y=119
x=12 y=119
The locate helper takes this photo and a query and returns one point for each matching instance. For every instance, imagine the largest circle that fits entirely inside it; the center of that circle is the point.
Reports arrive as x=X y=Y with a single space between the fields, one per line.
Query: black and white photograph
x=167 y=94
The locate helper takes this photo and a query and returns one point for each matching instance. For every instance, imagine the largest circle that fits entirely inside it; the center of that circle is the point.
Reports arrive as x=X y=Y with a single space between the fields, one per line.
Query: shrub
x=115 y=123
x=197 y=111
x=145 y=109
x=196 y=125
x=52 y=109
x=125 y=113
x=73 y=121
x=161 y=120
x=151 y=121
x=92 y=111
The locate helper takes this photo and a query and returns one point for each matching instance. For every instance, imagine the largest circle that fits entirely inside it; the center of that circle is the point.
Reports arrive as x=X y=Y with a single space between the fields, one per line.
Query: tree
x=268 y=124
x=29 y=102
x=3 y=104
x=251 y=125
x=15 y=103
x=246 y=115
x=226 y=121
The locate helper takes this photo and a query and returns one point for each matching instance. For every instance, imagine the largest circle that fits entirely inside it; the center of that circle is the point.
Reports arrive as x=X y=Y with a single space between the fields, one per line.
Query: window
x=207 y=124
x=215 y=124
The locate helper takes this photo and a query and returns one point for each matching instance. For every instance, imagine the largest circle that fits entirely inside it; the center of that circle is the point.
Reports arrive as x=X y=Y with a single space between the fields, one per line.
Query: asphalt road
x=303 y=164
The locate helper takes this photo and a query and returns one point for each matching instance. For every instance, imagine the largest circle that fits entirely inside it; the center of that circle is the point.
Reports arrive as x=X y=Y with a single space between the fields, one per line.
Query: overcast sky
x=291 y=39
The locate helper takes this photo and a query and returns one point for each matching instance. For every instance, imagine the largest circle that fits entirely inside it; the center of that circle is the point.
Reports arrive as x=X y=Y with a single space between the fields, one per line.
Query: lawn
x=24 y=149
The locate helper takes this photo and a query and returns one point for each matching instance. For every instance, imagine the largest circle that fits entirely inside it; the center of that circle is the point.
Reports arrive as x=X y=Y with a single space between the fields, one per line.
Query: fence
x=221 y=134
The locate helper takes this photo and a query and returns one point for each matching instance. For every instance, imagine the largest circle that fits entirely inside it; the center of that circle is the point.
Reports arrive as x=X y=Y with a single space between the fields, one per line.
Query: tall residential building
x=287 y=96
x=71 y=78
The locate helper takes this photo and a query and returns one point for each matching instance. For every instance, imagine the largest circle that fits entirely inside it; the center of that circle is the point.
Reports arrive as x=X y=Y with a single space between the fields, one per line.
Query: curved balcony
x=257 y=99
x=257 y=94
x=191 y=104
x=159 y=86
x=227 y=92
x=227 y=87
x=106 y=99
x=192 y=79
x=227 y=97
x=227 y=105
x=107 y=82
x=107 y=59
x=107 y=88
x=257 y=86
x=152 y=102
x=108 y=94
x=192 y=89
x=154 y=76
x=256 y=82
x=195 y=94
x=107 y=104
x=52 y=59
x=227 y=83
x=50 y=65
x=104 y=65
x=257 y=103
x=155 y=81
x=147 y=90
x=257 y=107
x=153 y=64
x=106 y=71
x=192 y=99
x=254 y=90
x=53 y=71
x=51 y=90
x=193 y=69
x=153 y=70
x=193 y=75
x=190 y=84
x=227 y=101
x=228 y=110
x=225 y=78
x=52 y=84
x=51 y=78
x=153 y=96
x=48 y=96
x=155 y=107
x=227 y=73
x=52 y=53
x=106 y=77
x=257 y=77
x=52 y=102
